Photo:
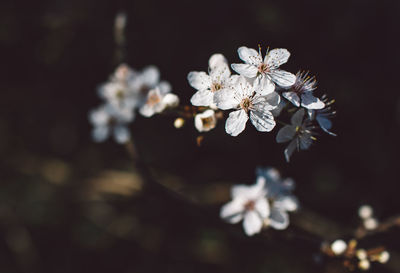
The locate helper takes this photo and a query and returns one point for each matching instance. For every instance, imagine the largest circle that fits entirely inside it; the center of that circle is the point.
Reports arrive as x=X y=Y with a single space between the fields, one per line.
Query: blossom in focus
x=108 y=120
x=247 y=100
x=301 y=92
x=255 y=66
x=205 y=121
x=323 y=116
x=279 y=194
x=156 y=101
x=218 y=78
x=250 y=205
x=299 y=133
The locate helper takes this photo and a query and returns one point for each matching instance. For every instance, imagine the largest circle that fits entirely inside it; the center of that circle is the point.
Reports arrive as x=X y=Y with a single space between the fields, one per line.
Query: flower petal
x=150 y=76
x=247 y=70
x=249 y=55
x=293 y=145
x=225 y=99
x=297 y=118
x=202 y=98
x=292 y=97
x=287 y=202
x=121 y=134
x=263 y=86
x=262 y=207
x=236 y=122
x=263 y=120
x=199 y=80
x=232 y=212
x=170 y=100
x=278 y=219
x=310 y=102
x=282 y=78
x=286 y=133
x=100 y=133
x=252 y=223
x=276 y=57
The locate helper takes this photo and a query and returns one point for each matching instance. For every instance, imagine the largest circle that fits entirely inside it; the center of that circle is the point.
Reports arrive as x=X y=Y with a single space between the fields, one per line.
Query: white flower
x=301 y=92
x=279 y=195
x=157 y=101
x=205 y=121
x=299 y=134
x=219 y=79
x=256 y=99
x=322 y=116
x=250 y=204
x=255 y=66
x=109 y=120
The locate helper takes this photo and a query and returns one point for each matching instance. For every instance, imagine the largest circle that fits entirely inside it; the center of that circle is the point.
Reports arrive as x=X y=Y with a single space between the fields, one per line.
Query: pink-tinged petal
x=282 y=78
x=225 y=99
x=278 y=219
x=199 y=80
x=249 y=55
x=262 y=120
x=276 y=57
x=236 y=122
x=247 y=70
x=263 y=86
x=202 y=98
x=310 y=102
x=292 y=97
x=252 y=223
x=232 y=212
x=262 y=207
x=286 y=133
x=297 y=118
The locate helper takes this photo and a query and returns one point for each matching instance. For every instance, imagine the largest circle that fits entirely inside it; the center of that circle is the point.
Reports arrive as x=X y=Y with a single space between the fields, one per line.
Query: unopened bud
x=339 y=247
x=364 y=264
x=365 y=212
x=384 y=257
x=370 y=223
x=179 y=122
x=361 y=254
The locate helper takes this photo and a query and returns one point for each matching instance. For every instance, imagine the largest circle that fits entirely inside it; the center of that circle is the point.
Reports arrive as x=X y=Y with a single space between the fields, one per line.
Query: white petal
x=325 y=124
x=225 y=99
x=249 y=55
x=249 y=192
x=305 y=141
x=151 y=76
x=263 y=86
x=252 y=223
x=100 y=133
x=286 y=133
x=276 y=57
x=277 y=111
x=282 y=78
x=288 y=203
x=220 y=72
x=267 y=102
x=278 y=219
x=146 y=110
x=202 y=98
x=293 y=145
x=165 y=87
x=232 y=212
x=246 y=70
x=170 y=100
x=292 y=97
x=310 y=102
x=297 y=118
x=216 y=60
x=99 y=116
x=236 y=122
x=262 y=120
x=262 y=207
x=199 y=80
x=121 y=134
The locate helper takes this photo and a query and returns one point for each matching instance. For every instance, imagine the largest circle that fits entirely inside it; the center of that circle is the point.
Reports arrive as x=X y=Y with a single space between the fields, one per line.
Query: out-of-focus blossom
x=205 y=121
x=157 y=101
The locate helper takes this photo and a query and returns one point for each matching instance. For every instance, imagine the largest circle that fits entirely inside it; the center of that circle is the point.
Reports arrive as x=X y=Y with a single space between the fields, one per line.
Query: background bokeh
x=70 y=205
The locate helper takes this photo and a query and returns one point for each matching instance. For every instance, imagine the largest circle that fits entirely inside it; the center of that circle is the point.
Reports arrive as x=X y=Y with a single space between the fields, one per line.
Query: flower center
x=153 y=99
x=120 y=94
x=250 y=205
x=207 y=122
x=263 y=68
x=216 y=86
x=246 y=104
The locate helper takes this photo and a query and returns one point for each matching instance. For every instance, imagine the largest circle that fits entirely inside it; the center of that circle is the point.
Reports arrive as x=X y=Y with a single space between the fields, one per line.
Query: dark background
x=70 y=205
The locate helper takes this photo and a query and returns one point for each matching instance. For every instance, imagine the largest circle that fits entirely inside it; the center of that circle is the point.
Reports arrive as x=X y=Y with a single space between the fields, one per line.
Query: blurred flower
x=205 y=121
x=299 y=133
x=338 y=247
x=301 y=92
x=279 y=196
x=157 y=101
x=219 y=78
x=250 y=204
x=254 y=65
x=246 y=97
x=322 y=116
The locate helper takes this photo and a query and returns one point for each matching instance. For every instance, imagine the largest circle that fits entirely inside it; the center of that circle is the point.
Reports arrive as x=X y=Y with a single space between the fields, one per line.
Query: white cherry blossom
x=250 y=205
x=256 y=100
x=205 y=121
x=218 y=78
x=157 y=101
x=255 y=66
x=301 y=92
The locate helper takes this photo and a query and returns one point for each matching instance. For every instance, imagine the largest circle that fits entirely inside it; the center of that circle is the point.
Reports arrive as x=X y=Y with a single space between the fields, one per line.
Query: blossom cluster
x=259 y=92
x=127 y=91
x=264 y=204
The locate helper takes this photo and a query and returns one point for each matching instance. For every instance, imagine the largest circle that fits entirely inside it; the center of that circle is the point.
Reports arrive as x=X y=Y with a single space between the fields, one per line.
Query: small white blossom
x=299 y=133
x=256 y=100
x=322 y=116
x=301 y=92
x=219 y=78
x=365 y=212
x=108 y=120
x=255 y=66
x=205 y=121
x=339 y=247
x=250 y=205
x=279 y=196
x=157 y=101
